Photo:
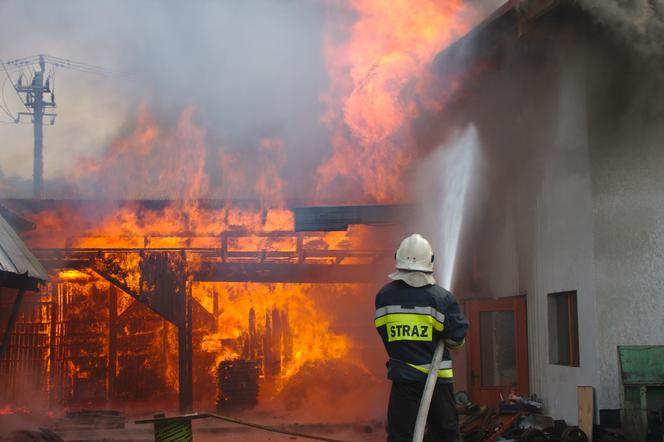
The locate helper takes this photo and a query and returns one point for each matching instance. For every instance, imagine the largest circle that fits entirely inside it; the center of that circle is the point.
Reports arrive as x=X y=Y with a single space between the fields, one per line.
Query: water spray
x=456 y=165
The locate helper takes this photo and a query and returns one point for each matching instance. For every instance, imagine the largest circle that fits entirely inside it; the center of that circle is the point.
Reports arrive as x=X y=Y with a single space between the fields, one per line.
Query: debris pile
x=516 y=419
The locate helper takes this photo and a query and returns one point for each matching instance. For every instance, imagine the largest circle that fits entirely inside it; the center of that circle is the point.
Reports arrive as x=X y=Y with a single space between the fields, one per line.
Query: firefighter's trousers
x=442 y=421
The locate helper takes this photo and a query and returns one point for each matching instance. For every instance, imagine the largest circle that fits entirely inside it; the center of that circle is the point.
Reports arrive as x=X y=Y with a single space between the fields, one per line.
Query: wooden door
x=497 y=349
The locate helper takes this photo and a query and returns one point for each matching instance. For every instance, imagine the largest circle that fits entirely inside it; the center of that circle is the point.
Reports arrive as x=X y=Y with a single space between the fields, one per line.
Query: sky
x=252 y=69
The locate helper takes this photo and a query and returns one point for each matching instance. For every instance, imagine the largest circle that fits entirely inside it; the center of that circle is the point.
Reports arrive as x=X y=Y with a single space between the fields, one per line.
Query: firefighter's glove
x=454 y=345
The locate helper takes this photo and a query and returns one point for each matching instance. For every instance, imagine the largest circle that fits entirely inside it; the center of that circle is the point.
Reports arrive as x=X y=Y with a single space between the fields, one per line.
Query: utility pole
x=34 y=99
x=32 y=96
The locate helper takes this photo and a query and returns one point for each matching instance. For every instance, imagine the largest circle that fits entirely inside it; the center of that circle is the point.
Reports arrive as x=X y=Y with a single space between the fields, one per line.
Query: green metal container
x=642 y=388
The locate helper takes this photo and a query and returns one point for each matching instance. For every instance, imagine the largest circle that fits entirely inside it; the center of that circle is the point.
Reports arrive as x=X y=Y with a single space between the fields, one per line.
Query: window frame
x=563 y=352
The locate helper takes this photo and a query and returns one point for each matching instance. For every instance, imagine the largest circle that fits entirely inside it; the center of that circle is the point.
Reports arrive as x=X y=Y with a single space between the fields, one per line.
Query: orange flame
x=289 y=331
x=372 y=100
x=373 y=94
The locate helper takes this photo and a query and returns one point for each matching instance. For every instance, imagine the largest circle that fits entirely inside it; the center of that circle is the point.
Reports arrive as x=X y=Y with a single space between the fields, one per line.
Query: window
x=563 y=329
x=498 y=349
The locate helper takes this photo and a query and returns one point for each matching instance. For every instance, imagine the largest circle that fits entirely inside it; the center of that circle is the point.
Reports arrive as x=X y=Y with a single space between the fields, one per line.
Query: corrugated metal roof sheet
x=15 y=256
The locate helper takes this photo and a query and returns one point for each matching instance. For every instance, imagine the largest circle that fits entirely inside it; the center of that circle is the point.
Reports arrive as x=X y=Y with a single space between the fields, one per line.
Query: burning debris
x=123 y=307
x=238 y=385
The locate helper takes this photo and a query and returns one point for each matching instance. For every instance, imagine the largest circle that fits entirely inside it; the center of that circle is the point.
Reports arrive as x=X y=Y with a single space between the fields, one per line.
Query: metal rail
x=186 y=419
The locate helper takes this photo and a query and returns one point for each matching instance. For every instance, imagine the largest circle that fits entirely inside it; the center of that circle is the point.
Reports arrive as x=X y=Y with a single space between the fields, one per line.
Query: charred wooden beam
x=329 y=218
x=164 y=289
x=112 y=342
x=77 y=258
x=260 y=272
x=52 y=347
x=185 y=353
x=29 y=205
x=313 y=266
x=6 y=337
x=293 y=273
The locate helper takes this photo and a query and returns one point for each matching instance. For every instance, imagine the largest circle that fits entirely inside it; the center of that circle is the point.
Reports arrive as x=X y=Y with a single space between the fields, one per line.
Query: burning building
x=20 y=277
x=527 y=150
x=180 y=272
x=169 y=313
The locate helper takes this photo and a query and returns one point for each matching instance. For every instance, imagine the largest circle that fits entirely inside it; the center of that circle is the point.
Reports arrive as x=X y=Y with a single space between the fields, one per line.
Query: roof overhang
x=18 y=266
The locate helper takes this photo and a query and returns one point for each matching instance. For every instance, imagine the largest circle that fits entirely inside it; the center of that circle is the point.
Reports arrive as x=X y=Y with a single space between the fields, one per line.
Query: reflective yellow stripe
x=392 y=309
x=447 y=373
x=410 y=318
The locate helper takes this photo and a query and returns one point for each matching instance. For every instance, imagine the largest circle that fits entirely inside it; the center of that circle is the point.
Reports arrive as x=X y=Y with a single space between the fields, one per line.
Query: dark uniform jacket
x=411 y=321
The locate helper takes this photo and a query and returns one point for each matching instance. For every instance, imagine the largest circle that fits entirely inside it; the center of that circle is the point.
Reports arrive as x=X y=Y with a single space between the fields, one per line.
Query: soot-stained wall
x=627 y=152
x=570 y=196
x=534 y=231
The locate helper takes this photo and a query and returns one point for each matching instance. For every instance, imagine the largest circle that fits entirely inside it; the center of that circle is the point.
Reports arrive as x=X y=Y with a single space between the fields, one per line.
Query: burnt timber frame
x=222 y=265
x=220 y=271
x=303 y=263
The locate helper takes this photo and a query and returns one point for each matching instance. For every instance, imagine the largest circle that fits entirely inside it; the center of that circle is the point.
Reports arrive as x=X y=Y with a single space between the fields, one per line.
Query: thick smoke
x=251 y=73
x=639 y=22
x=250 y=70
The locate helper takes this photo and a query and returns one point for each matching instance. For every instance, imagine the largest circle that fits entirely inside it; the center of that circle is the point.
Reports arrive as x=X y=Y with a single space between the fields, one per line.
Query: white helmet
x=415 y=254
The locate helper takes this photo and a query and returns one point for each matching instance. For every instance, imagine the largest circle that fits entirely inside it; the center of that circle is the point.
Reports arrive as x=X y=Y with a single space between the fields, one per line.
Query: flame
x=73 y=275
x=377 y=70
x=287 y=311
x=283 y=328
x=7 y=409
x=373 y=99
x=150 y=162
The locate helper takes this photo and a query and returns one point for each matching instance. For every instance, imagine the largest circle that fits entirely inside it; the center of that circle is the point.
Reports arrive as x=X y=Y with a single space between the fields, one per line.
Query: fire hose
x=427 y=394
x=165 y=427
x=178 y=428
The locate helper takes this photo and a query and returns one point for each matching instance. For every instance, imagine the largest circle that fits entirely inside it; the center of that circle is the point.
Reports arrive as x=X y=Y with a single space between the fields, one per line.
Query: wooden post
x=185 y=356
x=52 y=347
x=215 y=310
x=267 y=346
x=252 y=334
x=277 y=335
x=13 y=316
x=112 y=342
x=288 y=338
x=586 y=399
x=164 y=345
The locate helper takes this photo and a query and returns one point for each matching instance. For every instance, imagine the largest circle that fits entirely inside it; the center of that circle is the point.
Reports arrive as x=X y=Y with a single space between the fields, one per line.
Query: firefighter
x=412 y=315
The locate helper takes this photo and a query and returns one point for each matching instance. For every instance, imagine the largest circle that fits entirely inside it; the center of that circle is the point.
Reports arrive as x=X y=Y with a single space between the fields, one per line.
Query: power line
x=31 y=61
x=4 y=67
x=5 y=108
x=14 y=122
